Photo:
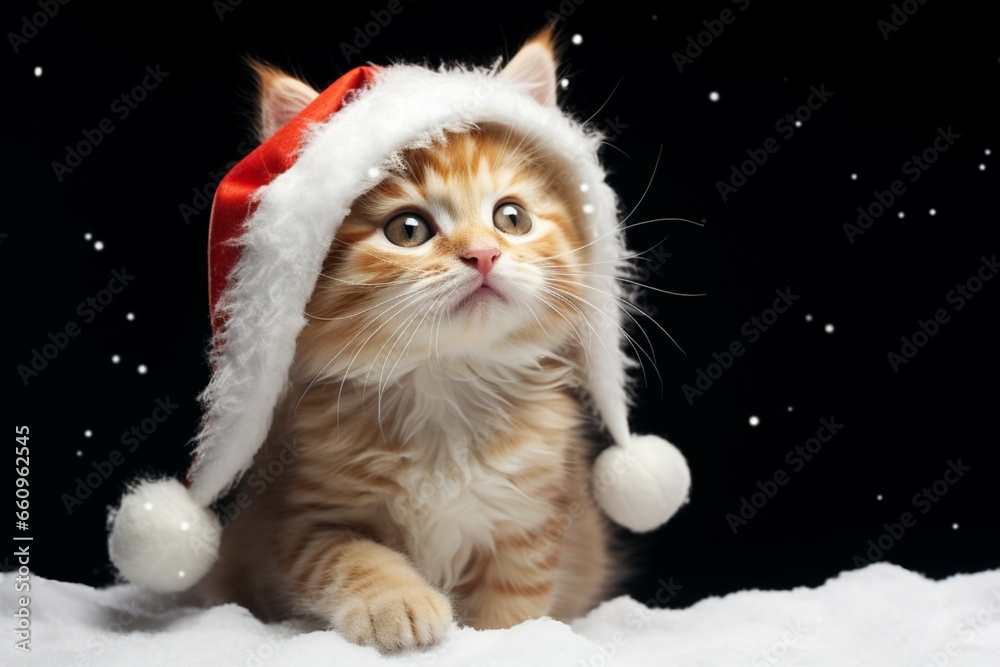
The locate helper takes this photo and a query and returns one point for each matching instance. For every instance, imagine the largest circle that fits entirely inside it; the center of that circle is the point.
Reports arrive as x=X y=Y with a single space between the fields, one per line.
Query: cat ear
x=534 y=67
x=281 y=98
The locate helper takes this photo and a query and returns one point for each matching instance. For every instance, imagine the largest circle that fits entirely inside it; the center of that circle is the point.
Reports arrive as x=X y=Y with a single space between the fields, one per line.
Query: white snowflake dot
x=578 y=39
x=588 y=208
x=38 y=72
x=933 y=211
x=584 y=187
x=987 y=152
x=854 y=177
x=88 y=236
x=373 y=172
x=130 y=317
x=88 y=433
x=879 y=497
x=713 y=96
x=142 y=369
x=115 y=358
x=901 y=215
x=982 y=167
x=564 y=83
x=98 y=245
x=798 y=123
x=79 y=453
x=754 y=420
x=180 y=573
x=828 y=328
x=954 y=526
x=148 y=506
x=654 y=17
x=790 y=408
x=185 y=525
x=809 y=318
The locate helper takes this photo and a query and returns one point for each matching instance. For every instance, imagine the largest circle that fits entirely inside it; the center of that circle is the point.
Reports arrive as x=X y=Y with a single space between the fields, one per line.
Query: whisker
x=635 y=345
x=626 y=280
x=605 y=101
x=627 y=303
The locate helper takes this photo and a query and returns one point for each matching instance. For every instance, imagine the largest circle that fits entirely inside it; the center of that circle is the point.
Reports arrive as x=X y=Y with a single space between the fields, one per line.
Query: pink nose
x=482 y=259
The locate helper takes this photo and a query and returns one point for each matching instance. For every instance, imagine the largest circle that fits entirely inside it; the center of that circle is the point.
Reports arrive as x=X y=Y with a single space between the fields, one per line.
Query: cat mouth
x=479 y=296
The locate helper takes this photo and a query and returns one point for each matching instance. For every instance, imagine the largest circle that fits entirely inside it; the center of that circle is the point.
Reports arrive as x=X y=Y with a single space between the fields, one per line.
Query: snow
x=754 y=420
x=879 y=615
x=713 y=96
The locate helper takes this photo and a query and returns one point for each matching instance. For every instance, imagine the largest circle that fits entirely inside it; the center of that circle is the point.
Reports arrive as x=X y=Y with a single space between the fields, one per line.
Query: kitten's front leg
x=517 y=580
x=369 y=593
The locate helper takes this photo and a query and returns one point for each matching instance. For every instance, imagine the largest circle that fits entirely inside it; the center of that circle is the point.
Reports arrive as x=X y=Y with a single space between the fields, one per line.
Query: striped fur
x=429 y=461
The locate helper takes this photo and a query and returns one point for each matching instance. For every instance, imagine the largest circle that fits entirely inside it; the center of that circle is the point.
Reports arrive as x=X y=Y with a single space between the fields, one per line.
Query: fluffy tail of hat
x=161 y=538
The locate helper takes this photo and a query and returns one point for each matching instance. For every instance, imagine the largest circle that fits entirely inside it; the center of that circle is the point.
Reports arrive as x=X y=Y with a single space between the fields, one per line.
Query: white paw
x=396 y=618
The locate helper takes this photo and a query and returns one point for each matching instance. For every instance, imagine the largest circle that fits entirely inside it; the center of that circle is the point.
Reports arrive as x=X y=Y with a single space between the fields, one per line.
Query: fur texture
x=428 y=461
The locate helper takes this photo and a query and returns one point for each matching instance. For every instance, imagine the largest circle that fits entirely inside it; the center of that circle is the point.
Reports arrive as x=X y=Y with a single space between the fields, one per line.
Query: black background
x=782 y=229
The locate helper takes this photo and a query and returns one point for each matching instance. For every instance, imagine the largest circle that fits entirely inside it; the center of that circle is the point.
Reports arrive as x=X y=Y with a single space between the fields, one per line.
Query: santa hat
x=273 y=220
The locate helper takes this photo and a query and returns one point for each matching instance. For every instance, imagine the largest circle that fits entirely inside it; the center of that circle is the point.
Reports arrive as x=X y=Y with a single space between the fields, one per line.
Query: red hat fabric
x=234 y=202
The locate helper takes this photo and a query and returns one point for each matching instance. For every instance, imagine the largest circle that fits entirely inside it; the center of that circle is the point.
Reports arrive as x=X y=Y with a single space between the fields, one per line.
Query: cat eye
x=511 y=219
x=408 y=230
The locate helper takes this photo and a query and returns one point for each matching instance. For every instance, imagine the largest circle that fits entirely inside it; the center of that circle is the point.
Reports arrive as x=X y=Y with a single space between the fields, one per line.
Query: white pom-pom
x=161 y=538
x=642 y=485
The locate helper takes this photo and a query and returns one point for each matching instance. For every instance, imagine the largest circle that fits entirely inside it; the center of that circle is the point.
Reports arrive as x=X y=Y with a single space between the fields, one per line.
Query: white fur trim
x=161 y=539
x=641 y=485
x=298 y=215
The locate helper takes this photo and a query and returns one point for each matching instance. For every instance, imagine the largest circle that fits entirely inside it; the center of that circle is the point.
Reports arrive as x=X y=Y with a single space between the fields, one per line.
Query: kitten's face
x=476 y=250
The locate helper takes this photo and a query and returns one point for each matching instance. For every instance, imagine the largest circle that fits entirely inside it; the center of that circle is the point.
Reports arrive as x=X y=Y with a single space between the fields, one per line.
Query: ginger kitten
x=434 y=405
x=418 y=332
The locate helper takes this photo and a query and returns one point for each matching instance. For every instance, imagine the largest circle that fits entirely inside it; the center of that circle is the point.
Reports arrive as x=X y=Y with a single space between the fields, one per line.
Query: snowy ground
x=881 y=615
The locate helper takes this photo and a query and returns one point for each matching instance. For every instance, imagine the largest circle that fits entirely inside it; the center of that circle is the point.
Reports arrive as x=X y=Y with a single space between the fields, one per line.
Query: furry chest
x=449 y=512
